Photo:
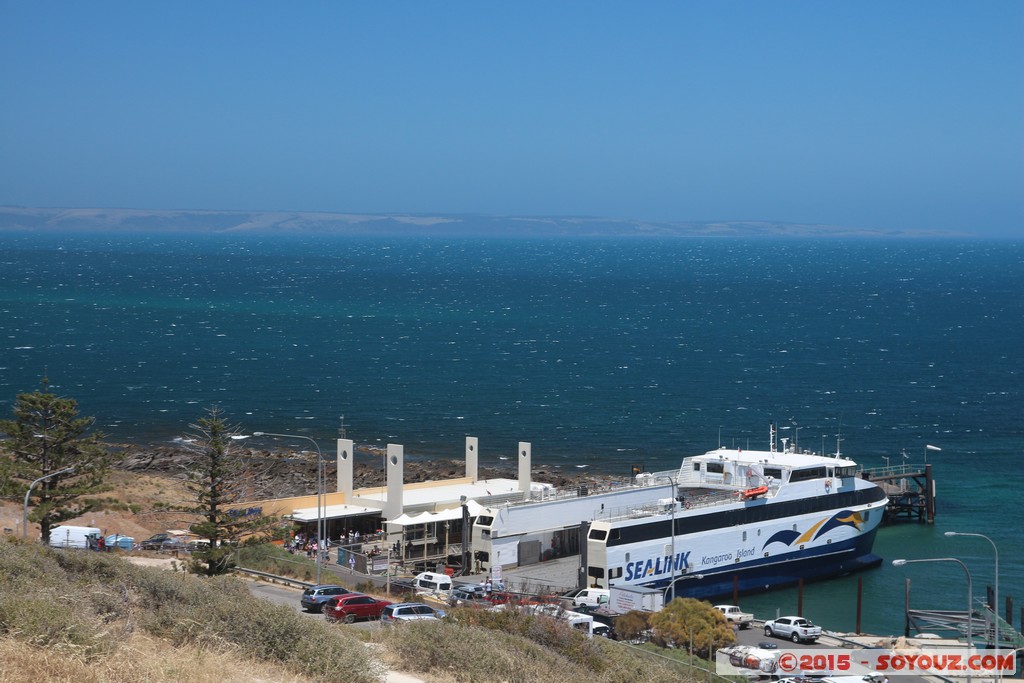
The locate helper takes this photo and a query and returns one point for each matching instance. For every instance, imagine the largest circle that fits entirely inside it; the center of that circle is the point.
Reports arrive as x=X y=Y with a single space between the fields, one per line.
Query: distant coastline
x=63 y=220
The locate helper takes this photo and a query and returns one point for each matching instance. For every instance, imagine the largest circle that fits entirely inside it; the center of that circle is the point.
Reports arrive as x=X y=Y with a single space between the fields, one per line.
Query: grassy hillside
x=92 y=617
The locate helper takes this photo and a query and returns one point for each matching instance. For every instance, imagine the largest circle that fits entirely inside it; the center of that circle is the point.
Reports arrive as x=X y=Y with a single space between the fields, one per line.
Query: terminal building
x=475 y=524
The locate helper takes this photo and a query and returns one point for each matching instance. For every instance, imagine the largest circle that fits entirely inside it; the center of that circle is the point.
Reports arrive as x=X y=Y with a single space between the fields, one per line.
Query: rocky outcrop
x=283 y=473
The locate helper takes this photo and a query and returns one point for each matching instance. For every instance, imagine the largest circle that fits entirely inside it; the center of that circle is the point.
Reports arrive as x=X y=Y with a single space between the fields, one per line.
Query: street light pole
x=672 y=582
x=970 y=594
x=320 y=493
x=996 y=596
x=24 y=510
x=684 y=577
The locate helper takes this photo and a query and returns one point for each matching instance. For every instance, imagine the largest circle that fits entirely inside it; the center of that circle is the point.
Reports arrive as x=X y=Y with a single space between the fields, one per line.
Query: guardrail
x=273 y=577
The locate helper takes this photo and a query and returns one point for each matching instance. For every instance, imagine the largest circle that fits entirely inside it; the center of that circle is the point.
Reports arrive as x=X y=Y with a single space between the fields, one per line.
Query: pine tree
x=46 y=437
x=217 y=477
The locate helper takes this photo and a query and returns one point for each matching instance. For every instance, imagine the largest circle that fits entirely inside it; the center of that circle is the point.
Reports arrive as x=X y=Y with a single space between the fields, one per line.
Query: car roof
x=408 y=604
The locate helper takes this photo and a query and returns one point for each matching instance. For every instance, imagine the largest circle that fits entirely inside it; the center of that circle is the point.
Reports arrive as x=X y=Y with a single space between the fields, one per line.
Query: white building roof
x=331 y=512
x=445 y=493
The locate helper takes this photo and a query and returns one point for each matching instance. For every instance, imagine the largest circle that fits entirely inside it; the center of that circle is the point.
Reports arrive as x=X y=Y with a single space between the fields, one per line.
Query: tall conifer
x=46 y=436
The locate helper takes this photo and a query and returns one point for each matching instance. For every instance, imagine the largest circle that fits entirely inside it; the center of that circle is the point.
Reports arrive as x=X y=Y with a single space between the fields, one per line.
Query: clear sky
x=875 y=114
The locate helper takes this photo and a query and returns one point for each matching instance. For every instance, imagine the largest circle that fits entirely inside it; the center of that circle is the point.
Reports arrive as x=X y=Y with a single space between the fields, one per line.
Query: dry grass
x=72 y=616
x=137 y=659
x=477 y=646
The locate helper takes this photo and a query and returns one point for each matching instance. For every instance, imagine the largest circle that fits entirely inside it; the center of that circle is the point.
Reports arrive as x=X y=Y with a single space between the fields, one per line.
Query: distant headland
x=64 y=220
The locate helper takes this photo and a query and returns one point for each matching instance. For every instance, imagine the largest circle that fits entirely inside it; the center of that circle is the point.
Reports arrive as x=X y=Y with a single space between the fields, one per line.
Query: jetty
x=911 y=491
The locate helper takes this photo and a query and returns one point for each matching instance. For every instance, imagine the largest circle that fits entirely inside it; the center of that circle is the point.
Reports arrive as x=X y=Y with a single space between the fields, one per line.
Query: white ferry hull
x=746 y=531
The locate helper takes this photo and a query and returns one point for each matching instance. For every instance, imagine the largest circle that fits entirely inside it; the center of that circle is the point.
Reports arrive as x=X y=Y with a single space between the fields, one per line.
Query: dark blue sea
x=601 y=353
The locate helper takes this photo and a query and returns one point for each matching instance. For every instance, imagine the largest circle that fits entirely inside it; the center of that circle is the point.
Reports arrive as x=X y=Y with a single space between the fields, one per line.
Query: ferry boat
x=742 y=521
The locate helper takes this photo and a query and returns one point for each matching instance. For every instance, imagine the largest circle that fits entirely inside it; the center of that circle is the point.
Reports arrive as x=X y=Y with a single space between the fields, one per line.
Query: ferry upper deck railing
x=547 y=495
x=664 y=506
x=890 y=471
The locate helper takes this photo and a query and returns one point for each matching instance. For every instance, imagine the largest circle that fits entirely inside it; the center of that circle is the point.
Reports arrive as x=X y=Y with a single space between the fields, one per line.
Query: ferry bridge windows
x=773 y=473
x=805 y=474
x=715 y=468
x=598 y=535
x=484 y=520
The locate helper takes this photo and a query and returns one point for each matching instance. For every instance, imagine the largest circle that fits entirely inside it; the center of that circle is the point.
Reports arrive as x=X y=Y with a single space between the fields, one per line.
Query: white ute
x=735 y=616
x=796 y=629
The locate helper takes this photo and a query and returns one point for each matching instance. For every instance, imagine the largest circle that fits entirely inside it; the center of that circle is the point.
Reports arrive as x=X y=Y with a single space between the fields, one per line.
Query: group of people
x=308 y=544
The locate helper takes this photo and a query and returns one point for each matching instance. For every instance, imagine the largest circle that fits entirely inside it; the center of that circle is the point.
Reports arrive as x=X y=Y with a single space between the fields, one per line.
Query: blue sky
x=903 y=115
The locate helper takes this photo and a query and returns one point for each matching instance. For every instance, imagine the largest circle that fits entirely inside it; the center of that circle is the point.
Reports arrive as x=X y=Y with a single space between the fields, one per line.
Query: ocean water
x=602 y=353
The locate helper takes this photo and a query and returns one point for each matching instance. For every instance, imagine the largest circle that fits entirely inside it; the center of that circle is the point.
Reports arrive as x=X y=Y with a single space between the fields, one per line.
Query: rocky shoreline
x=283 y=473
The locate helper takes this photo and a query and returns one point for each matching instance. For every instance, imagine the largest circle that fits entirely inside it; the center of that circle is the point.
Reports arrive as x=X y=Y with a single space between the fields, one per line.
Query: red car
x=350 y=607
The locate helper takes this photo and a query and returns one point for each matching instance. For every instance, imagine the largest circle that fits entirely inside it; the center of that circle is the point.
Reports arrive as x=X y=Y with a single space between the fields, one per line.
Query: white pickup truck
x=735 y=616
x=796 y=629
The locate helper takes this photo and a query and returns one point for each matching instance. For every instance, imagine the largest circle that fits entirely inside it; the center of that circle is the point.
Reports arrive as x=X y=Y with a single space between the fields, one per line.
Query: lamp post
x=970 y=593
x=24 y=510
x=996 y=596
x=672 y=582
x=320 y=475
x=684 y=577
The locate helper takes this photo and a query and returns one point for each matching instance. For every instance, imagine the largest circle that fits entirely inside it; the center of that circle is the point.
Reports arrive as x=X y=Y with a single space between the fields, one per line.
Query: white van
x=73 y=536
x=589 y=597
x=429 y=581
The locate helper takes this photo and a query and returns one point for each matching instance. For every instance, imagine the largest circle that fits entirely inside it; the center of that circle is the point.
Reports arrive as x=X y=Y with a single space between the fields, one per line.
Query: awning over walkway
x=332 y=512
x=440 y=516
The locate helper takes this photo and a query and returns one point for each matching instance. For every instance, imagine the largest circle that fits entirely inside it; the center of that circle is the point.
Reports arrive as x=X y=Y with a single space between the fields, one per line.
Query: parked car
x=432 y=582
x=585 y=598
x=163 y=541
x=735 y=616
x=410 y=611
x=465 y=595
x=120 y=542
x=314 y=597
x=796 y=629
x=500 y=598
x=350 y=607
